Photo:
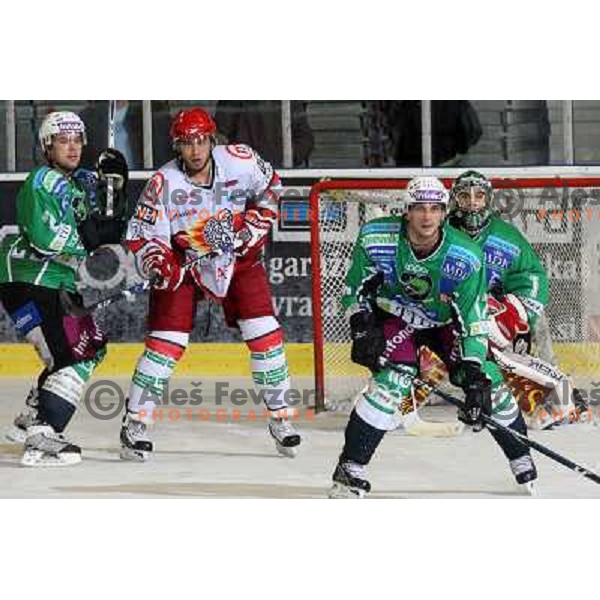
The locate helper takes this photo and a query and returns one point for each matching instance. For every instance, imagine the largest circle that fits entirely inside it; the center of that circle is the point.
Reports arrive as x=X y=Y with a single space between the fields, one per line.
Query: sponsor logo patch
x=26 y=318
x=147 y=214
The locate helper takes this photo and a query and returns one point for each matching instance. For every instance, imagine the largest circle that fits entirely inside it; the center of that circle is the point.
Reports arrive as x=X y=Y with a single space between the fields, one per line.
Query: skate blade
x=15 y=435
x=528 y=489
x=343 y=492
x=134 y=455
x=287 y=451
x=38 y=458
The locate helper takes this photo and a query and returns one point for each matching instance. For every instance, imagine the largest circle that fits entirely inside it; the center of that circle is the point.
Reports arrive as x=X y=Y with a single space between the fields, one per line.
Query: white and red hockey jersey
x=171 y=204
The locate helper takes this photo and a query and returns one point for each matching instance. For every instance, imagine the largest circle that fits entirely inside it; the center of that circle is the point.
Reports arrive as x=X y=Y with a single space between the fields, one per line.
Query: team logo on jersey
x=416 y=286
x=213 y=233
x=239 y=151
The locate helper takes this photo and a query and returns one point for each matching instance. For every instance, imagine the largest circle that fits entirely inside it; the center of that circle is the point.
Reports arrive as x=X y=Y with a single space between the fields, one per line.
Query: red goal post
x=566 y=236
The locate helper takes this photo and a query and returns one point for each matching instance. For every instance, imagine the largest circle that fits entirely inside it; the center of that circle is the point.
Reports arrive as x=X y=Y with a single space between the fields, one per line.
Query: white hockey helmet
x=426 y=190
x=60 y=122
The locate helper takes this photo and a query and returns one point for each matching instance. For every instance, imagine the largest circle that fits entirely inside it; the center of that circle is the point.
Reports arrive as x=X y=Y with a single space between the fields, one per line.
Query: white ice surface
x=237 y=459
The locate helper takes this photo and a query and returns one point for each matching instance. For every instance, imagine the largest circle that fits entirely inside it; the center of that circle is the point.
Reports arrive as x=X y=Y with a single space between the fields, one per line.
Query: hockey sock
x=511 y=446
x=54 y=410
x=361 y=440
x=60 y=393
x=264 y=339
x=154 y=368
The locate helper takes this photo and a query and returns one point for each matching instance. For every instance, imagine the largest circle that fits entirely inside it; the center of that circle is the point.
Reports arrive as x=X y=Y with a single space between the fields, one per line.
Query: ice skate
x=44 y=447
x=286 y=437
x=525 y=474
x=349 y=481
x=17 y=432
x=135 y=443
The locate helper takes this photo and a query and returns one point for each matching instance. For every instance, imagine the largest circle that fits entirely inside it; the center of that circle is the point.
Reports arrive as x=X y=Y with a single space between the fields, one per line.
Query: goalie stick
x=548 y=452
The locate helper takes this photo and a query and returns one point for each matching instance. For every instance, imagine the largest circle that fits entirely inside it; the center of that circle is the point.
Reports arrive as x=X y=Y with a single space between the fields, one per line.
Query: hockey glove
x=368 y=339
x=251 y=232
x=509 y=326
x=111 y=163
x=155 y=260
x=478 y=396
x=111 y=166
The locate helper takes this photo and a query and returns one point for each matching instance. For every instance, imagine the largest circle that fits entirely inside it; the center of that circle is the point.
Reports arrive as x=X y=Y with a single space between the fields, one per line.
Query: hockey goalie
x=518 y=292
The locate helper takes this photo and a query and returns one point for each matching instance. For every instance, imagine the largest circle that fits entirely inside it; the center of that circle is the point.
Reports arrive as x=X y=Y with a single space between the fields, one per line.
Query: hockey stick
x=110 y=184
x=494 y=425
x=413 y=424
x=79 y=311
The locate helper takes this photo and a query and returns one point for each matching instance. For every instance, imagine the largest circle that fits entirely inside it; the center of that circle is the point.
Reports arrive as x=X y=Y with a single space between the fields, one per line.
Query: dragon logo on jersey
x=213 y=233
x=416 y=286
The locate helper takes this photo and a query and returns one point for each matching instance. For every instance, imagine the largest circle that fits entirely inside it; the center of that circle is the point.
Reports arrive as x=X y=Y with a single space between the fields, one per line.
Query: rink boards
x=232 y=359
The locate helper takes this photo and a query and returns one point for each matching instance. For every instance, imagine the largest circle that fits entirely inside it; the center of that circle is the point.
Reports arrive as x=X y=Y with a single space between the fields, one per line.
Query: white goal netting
x=559 y=216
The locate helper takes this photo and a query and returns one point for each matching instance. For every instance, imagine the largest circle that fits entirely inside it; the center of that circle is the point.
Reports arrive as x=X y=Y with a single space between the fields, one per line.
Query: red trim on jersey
x=164 y=347
x=266 y=342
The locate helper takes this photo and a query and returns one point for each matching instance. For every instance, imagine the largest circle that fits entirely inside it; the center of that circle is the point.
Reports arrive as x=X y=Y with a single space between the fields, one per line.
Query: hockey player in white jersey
x=209 y=198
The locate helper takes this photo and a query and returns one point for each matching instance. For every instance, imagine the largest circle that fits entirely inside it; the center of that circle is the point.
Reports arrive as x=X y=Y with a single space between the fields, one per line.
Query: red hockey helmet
x=191 y=123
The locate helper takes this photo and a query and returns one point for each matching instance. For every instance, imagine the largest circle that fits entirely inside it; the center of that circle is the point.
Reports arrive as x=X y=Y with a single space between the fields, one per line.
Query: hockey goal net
x=560 y=216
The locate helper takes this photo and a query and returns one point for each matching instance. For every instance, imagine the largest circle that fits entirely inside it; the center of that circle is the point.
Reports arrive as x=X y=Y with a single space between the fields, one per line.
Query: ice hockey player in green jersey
x=415 y=281
x=518 y=292
x=38 y=266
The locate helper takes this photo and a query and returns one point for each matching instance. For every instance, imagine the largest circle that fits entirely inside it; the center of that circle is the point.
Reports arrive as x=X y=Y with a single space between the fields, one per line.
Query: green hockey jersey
x=447 y=286
x=47 y=249
x=510 y=260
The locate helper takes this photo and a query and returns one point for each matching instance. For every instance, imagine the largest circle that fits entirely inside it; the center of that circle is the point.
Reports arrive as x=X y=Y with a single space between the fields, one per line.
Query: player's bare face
x=65 y=151
x=195 y=153
x=471 y=200
x=424 y=222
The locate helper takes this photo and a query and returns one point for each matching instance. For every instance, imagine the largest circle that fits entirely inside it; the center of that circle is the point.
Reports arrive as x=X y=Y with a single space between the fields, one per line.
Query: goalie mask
x=472 y=194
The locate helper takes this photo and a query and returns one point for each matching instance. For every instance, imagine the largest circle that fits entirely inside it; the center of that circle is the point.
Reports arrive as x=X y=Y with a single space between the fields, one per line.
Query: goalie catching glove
x=509 y=324
x=252 y=228
x=478 y=396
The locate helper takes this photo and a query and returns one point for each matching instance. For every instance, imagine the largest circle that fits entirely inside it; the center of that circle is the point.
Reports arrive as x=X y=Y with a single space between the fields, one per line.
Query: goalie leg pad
x=545 y=392
x=154 y=368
